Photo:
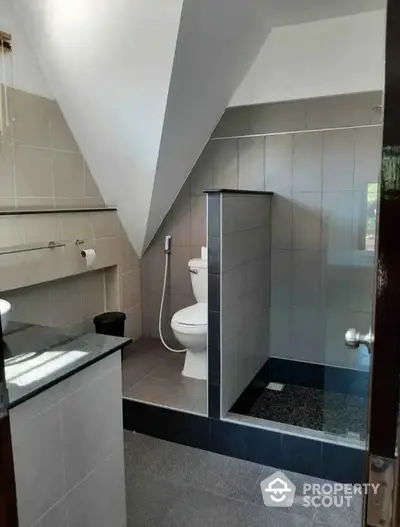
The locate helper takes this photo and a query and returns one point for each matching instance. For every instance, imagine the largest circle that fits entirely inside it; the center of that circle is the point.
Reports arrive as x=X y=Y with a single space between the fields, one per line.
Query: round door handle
x=353 y=339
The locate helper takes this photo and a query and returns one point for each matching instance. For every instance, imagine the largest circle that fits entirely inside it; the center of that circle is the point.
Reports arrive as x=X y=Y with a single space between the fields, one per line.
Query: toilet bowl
x=190 y=329
x=190 y=324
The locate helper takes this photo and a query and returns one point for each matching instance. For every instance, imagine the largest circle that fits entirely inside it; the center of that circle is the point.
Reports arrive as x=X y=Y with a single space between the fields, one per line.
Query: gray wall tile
x=226 y=164
x=281 y=223
x=280 y=272
x=338 y=160
x=251 y=163
x=278 y=117
x=245 y=294
x=305 y=277
x=337 y=231
x=279 y=164
x=307 y=221
x=307 y=162
x=319 y=212
x=368 y=148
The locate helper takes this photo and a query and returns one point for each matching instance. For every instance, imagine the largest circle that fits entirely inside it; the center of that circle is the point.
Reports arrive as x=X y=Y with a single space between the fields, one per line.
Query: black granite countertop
x=37 y=357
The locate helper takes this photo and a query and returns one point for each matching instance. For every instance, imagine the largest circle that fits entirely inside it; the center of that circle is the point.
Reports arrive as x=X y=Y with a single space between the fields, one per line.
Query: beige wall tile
x=33 y=172
x=105 y=224
x=112 y=285
x=130 y=260
x=76 y=226
x=179 y=271
x=93 y=290
x=198 y=221
x=11 y=231
x=31 y=119
x=69 y=181
x=44 y=265
x=72 y=262
x=42 y=228
x=91 y=189
x=133 y=324
x=8 y=131
x=180 y=225
x=45 y=169
x=7 y=183
x=70 y=203
x=108 y=251
x=61 y=135
x=31 y=305
x=12 y=271
x=7 y=203
x=131 y=290
x=34 y=203
x=66 y=297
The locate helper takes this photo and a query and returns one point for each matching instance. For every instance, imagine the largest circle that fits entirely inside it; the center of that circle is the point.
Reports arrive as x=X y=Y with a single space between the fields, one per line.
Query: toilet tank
x=198 y=274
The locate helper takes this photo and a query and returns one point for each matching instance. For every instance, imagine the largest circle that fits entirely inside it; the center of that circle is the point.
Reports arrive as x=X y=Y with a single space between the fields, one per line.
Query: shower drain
x=275 y=386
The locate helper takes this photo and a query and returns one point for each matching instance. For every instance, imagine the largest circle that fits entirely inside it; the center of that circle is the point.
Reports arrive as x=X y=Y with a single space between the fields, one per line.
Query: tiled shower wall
x=41 y=166
x=322 y=276
x=245 y=246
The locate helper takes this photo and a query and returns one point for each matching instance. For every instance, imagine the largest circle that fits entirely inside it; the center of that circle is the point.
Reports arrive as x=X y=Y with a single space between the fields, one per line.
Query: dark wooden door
x=385 y=386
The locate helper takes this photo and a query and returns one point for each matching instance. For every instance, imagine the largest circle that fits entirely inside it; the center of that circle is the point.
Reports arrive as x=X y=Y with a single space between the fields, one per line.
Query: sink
x=5 y=311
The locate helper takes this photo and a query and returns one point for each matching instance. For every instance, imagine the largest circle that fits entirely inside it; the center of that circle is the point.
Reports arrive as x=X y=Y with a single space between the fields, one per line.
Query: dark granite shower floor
x=332 y=412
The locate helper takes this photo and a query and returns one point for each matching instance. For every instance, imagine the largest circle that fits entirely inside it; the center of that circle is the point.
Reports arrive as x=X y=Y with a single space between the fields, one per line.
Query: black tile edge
x=214 y=255
x=237 y=191
x=16 y=212
x=251 y=393
x=344 y=463
x=213 y=216
x=214 y=292
x=214 y=364
x=302 y=455
x=241 y=441
x=311 y=375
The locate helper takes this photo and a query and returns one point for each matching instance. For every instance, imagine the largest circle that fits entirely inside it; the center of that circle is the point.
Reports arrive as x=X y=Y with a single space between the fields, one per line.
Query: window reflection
x=372 y=205
x=39 y=366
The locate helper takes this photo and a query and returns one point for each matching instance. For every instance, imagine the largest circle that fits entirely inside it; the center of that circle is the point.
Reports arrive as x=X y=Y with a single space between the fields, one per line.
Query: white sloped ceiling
x=142 y=84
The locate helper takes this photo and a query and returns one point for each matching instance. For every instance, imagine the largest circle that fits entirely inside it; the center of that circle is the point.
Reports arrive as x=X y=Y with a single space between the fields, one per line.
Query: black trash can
x=110 y=323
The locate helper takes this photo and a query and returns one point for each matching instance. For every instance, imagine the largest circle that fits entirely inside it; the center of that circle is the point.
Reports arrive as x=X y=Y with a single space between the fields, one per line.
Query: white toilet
x=190 y=324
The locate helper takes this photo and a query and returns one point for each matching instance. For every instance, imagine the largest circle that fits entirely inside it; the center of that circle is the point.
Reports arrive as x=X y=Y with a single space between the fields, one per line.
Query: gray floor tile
x=227 y=476
x=161 y=459
x=149 y=499
x=153 y=390
x=191 y=396
x=198 y=508
x=341 y=516
x=140 y=450
x=255 y=516
x=177 y=463
x=152 y=374
x=129 y=378
x=298 y=480
x=170 y=369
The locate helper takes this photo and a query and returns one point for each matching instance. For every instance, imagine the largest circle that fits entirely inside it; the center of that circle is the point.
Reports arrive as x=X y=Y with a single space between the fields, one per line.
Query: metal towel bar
x=30 y=247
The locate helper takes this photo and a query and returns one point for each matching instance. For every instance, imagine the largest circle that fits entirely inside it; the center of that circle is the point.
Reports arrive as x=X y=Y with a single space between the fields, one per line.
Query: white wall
x=216 y=44
x=109 y=66
x=329 y=57
x=27 y=73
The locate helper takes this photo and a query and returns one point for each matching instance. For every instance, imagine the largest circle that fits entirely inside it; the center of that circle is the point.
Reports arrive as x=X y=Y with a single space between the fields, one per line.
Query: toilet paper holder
x=79 y=242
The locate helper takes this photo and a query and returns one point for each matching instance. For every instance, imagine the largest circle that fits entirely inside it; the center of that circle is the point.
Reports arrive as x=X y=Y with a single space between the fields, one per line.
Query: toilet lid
x=195 y=315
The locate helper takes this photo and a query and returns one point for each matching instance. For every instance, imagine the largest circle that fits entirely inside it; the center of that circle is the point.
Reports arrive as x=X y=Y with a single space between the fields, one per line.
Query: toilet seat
x=192 y=319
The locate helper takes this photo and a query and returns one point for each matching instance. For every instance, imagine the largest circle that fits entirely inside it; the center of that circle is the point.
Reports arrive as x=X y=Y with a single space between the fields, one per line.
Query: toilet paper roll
x=90 y=256
x=204 y=253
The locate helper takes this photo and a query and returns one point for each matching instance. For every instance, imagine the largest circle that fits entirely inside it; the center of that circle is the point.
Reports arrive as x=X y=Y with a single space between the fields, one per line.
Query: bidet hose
x=162 y=308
